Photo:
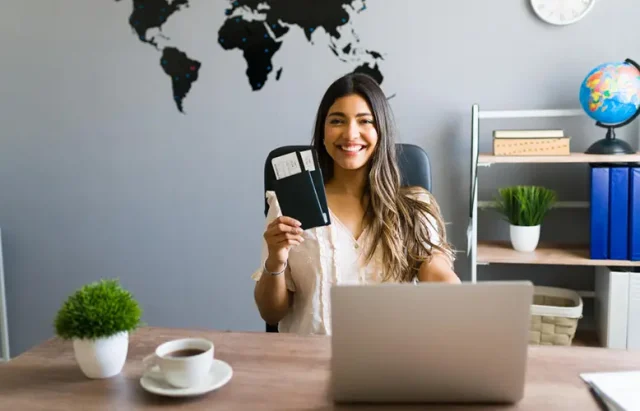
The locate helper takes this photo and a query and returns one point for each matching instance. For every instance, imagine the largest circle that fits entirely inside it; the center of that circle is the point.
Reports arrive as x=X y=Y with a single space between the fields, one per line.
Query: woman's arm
x=440 y=267
x=271 y=294
x=438 y=270
x=274 y=293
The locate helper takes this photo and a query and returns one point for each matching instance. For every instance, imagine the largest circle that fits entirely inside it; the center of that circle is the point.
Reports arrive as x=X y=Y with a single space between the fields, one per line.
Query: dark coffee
x=187 y=352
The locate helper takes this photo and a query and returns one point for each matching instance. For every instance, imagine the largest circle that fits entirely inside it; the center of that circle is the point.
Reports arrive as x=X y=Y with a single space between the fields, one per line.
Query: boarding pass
x=288 y=164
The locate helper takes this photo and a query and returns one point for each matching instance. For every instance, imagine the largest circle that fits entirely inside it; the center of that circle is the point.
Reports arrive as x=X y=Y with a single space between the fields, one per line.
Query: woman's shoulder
x=425 y=204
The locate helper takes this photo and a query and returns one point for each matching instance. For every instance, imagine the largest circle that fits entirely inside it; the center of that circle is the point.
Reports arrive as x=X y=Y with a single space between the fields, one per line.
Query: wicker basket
x=554 y=316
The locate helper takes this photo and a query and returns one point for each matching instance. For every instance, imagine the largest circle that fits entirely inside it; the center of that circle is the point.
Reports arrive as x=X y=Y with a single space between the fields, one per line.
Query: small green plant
x=97 y=310
x=525 y=205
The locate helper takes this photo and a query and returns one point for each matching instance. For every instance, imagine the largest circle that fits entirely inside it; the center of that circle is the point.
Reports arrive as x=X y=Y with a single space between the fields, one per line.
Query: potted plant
x=524 y=207
x=98 y=318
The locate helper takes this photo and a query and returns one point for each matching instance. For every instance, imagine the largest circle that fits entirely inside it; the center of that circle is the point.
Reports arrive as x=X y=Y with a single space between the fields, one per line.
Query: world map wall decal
x=258 y=28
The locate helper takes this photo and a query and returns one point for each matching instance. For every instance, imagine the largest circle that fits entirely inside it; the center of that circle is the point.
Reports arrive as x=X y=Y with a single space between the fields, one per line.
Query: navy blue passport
x=634 y=213
x=299 y=200
x=619 y=212
x=599 y=213
x=299 y=187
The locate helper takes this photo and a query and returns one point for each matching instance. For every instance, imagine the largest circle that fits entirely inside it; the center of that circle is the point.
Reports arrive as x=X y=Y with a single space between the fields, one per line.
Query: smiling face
x=350 y=134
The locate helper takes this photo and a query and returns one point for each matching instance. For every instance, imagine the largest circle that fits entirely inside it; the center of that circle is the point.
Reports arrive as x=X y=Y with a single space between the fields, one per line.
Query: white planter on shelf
x=102 y=357
x=524 y=238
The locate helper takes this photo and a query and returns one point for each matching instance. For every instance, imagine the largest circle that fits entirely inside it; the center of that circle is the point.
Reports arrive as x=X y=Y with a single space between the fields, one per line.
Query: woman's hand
x=271 y=293
x=281 y=235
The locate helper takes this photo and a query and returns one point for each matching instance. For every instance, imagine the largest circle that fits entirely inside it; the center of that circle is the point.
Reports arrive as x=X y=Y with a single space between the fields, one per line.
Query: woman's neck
x=350 y=182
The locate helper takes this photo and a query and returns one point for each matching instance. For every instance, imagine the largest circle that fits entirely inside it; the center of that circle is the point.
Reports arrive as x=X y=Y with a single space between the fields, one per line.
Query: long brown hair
x=398 y=220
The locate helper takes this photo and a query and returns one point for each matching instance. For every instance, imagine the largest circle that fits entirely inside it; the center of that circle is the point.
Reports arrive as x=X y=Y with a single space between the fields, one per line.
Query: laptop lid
x=430 y=342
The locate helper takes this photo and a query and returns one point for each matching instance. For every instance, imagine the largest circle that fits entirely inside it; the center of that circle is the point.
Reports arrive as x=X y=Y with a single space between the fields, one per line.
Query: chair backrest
x=413 y=161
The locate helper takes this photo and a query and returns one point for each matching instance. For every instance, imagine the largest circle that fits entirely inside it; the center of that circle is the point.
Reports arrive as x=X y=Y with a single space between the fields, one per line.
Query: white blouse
x=328 y=255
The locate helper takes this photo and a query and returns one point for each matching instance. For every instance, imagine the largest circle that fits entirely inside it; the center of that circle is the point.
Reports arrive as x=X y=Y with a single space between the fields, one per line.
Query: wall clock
x=562 y=12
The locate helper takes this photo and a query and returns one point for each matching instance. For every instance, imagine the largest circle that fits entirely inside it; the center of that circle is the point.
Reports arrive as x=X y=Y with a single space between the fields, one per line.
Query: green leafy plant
x=525 y=205
x=97 y=310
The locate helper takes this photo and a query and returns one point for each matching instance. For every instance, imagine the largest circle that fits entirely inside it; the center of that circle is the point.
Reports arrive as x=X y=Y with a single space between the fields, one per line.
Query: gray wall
x=100 y=176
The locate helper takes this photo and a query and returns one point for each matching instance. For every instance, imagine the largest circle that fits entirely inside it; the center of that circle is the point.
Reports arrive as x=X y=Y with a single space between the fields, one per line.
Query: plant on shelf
x=525 y=207
x=98 y=317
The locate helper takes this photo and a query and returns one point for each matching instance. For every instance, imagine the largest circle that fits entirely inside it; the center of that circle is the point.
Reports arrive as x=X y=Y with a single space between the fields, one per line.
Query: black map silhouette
x=257 y=28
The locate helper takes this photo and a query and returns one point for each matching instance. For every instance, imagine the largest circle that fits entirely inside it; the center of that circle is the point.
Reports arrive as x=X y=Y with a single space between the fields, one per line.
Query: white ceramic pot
x=103 y=357
x=524 y=238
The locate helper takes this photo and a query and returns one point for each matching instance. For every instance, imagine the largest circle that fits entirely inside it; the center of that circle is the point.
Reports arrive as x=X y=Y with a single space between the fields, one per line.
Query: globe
x=610 y=94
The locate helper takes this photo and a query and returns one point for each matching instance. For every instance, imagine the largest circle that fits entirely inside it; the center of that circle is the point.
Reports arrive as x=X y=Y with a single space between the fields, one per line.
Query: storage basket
x=554 y=316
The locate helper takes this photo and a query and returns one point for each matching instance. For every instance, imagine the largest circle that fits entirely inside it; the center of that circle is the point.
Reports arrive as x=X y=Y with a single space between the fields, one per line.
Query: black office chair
x=413 y=161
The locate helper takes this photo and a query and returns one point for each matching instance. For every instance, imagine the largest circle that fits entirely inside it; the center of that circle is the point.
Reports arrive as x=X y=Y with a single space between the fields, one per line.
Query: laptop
x=430 y=342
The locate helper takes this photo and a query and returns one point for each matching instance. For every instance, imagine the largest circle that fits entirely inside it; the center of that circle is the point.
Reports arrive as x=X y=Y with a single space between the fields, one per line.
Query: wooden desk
x=271 y=371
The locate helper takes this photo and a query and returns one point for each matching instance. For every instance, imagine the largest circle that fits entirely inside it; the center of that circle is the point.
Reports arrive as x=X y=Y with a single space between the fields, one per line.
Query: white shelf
x=482 y=253
x=531 y=113
x=485 y=159
x=501 y=252
x=559 y=204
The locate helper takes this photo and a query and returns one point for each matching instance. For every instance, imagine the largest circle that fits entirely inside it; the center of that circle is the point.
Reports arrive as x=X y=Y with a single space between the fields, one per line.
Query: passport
x=299 y=187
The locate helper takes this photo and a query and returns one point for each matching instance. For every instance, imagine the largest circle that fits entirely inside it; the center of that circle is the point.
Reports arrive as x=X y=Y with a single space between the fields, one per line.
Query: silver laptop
x=430 y=342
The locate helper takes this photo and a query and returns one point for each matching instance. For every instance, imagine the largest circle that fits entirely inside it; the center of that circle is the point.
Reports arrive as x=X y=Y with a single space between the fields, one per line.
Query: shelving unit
x=4 y=327
x=495 y=252
x=488 y=252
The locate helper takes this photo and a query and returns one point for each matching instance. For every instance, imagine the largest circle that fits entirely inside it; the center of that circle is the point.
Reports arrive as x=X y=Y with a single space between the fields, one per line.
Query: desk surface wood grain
x=271 y=371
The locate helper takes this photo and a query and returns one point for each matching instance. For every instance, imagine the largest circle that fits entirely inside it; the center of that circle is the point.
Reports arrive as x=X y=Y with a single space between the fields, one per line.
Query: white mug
x=183 y=363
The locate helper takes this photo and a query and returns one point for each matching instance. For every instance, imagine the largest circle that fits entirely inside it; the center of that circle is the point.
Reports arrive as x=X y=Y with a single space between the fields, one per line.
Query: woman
x=379 y=232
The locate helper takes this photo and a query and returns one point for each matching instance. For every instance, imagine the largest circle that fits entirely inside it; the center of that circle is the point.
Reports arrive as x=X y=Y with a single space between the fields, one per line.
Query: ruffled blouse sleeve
x=273 y=213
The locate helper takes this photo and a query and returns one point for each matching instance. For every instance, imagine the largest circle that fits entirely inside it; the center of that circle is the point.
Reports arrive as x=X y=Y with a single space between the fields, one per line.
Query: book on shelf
x=618 y=212
x=617 y=307
x=532 y=146
x=634 y=213
x=614 y=196
x=528 y=133
x=599 y=213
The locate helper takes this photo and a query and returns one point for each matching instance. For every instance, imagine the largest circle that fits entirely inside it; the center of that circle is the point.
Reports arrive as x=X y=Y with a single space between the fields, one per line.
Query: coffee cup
x=183 y=363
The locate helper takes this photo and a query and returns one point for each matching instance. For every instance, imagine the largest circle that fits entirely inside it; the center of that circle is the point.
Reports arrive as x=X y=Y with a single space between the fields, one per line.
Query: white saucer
x=219 y=375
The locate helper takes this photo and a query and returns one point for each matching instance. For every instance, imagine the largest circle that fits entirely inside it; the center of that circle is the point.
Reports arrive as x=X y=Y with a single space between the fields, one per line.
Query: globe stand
x=609 y=144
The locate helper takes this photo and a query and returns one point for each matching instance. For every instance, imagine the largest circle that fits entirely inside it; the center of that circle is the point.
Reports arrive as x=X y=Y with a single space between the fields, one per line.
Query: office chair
x=413 y=161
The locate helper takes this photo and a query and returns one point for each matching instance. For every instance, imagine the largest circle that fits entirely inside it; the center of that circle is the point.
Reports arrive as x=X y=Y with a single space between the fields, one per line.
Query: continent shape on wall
x=182 y=70
x=257 y=28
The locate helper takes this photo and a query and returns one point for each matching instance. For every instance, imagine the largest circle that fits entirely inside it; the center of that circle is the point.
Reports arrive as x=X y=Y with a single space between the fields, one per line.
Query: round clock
x=562 y=12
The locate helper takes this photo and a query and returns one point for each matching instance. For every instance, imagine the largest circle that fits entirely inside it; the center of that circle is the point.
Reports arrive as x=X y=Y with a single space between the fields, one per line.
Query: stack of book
x=530 y=143
x=615 y=212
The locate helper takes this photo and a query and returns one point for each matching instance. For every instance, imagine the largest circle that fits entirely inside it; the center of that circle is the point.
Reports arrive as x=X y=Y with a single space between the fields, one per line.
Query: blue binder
x=599 y=213
x=634 y=213
x=619 y=213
